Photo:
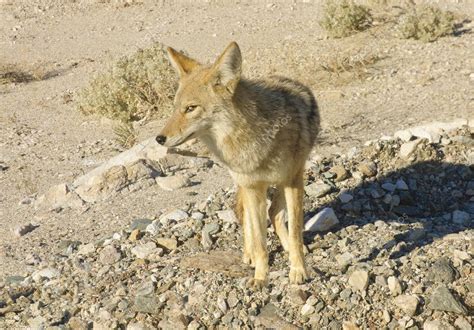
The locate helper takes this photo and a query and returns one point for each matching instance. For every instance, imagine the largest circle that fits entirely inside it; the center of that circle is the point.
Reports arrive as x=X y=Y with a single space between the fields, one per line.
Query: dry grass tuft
x=342 y=18
x=425 y=23
x=125 y=134
x=137 y=87
x=15 y=74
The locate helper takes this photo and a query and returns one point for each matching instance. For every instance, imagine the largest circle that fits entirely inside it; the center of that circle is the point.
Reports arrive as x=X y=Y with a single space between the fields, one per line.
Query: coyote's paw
x=298 y=275
x=256 y=284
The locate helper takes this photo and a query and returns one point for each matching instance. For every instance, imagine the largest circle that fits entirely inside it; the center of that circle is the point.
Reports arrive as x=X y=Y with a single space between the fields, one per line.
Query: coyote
x=263 y=132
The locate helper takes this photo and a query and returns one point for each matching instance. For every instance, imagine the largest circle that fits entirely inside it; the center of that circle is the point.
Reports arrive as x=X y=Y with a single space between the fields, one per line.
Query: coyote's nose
x=161 y=139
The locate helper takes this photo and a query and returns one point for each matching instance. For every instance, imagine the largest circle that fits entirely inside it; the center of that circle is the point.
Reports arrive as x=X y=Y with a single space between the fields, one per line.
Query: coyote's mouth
x=176 y=141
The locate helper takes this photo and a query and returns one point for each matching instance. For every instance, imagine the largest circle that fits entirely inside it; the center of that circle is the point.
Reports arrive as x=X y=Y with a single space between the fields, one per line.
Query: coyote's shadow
x=435 y=191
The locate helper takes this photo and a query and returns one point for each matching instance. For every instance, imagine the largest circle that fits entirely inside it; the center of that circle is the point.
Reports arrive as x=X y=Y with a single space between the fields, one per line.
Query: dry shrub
x=341 y=18
x=15 y=74
x=138 y=87
x=345 y=67
x=125 y=134
x=425 y=23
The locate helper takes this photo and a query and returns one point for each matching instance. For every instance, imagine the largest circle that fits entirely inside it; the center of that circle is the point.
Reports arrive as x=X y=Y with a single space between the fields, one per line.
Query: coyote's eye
x=190 y=108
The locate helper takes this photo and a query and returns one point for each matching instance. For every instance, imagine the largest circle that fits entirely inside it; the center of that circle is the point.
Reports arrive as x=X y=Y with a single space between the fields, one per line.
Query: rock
x=389 y=186
x=324 y=220
x=345 y=198
x=232 y=299
x=174 y=182
x=269 y=318
x=167 y=243
x=114 y=179
x=407 y=149
x=46 y=273
x=460 y=217
x=443 y=300
x=153 y=228
x=208 y=230
x=462 y=323
x=394 y=286
x=345 y=259
x=147 y=150
x=197 y=215
x=461 y=255
x=221 y=304
x=225 y=262
x=60 y=196
x=442 y=271
x=404 y=135
x=75 y=323
x=22 y=230
x=135 y=235
x=369 y=169
x=307 y=310
x=436 y=325
x=146 y=304
x=407 y=303
x=227 y=216
x=359 y=280
x=317 y=189
x=346 y=325
x=401 y=185
x=297 y=296
x=341 y=173
x=86 y=249
x=140 y=224
x=109 y=255
x=175 y=215
x=144 y=250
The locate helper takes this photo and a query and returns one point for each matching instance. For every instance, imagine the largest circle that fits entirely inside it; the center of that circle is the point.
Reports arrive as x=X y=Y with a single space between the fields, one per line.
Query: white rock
x=227 y=216
x=85 y=249
x=307 y=310
x=461 y=255
x=359 y=280
x=408 y=148
x=22 y=230
x=148 y=149
x=407 y=303
x=46 y=273
x=394 y=286
x=404 y=135
x=462 y=323
x=153 y=228
x=175 y=215
x=317 y=189
x=323 y=221
x=174 y=182
x=143 y=251
x=436 y=325
x=197 y=215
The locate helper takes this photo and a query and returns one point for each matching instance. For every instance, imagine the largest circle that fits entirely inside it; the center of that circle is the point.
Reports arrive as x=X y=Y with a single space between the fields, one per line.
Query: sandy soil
x=44 y=140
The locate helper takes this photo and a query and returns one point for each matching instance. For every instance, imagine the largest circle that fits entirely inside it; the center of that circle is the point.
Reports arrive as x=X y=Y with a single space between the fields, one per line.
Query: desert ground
x=46 y=141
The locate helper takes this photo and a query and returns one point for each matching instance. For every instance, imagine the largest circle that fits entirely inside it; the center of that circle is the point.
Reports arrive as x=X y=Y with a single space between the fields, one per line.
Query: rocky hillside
x=389 y=242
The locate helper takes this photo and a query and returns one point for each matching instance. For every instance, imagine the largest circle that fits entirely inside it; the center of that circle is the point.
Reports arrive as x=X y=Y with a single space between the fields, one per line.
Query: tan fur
x=263 y=132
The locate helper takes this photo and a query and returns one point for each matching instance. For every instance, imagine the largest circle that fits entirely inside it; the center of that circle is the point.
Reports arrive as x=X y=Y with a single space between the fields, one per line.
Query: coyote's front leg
x=255 y=231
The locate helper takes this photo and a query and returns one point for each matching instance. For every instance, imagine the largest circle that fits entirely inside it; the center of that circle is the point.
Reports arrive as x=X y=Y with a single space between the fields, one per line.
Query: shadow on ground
x=436 y=197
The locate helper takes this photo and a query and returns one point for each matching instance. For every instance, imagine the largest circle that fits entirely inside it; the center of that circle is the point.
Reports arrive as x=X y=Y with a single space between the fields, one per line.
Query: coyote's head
x=203 y=95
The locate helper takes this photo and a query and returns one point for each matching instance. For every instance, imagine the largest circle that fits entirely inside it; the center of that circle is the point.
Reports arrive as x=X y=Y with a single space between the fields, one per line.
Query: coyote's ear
x=181 y=62
x=228 y=67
